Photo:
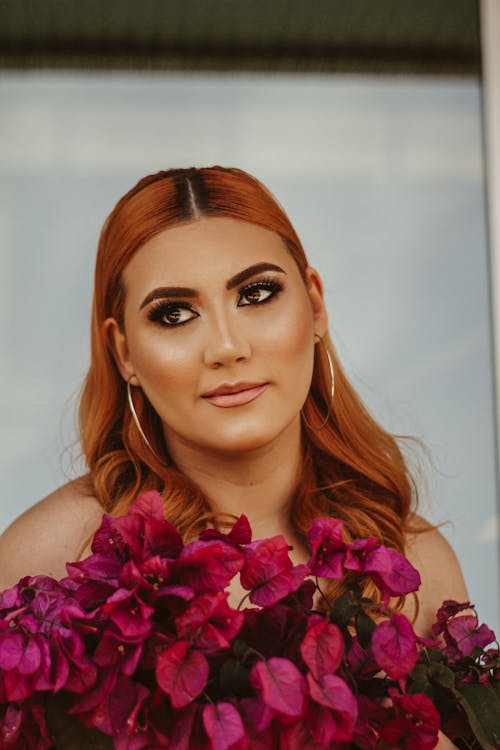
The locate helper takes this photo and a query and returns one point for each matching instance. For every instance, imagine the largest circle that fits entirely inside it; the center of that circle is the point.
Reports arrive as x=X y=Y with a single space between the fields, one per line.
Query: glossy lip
x=234 y=394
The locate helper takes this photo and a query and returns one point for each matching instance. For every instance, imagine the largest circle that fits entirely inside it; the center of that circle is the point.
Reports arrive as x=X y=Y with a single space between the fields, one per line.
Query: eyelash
x=157 y=313
x=269 y=285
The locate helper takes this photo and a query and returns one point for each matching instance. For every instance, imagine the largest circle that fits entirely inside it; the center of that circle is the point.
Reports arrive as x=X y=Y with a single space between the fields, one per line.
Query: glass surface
x=384 y=181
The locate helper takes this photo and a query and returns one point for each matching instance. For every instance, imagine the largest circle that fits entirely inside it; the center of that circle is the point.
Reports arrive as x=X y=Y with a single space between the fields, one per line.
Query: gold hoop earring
x=136 y=418
x=332 y=389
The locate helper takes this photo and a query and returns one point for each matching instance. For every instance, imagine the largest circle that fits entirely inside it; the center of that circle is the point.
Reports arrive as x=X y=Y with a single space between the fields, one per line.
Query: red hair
x=352 y=468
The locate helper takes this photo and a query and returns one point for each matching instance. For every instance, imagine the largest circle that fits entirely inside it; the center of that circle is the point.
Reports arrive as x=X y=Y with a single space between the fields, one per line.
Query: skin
x=246 y=458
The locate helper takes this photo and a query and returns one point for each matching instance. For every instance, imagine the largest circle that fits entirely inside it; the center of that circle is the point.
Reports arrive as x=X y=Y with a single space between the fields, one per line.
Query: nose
x=226 y=343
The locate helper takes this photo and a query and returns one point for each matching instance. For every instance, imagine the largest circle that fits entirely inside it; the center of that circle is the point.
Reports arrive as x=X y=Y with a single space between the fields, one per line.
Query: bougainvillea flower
x=467 y=635
x=24 y=727
x=71 y=665
x=446 y=611
x=399 y=578
x=300 y=736
x=269 y=573
x=361 y=661
x=10 y=599
x=129 y=613
x=394 y=646
x=321 y=724
x=389 y=569
x=327 y=548
x=240 y=533
x=371 y=717
x=209 y=623
x=112 y=650
x=207 y=566
x=415 y=725
x=179 y=736
x=331 y=691
x=257 y=715
x=223 y=725
x=322 y=648
x=280 y=685
x=181 y=673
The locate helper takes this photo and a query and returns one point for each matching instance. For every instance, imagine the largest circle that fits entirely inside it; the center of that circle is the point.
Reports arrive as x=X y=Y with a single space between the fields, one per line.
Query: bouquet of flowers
x=138 y=648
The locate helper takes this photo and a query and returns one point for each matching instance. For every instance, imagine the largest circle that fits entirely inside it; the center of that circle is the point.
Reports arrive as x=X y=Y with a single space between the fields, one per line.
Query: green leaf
x=419 y=680
x=481 y=703
x=343 y=610
x=442 y=675
x=234 y=679
x=434 y=654
x=240 y=648
x=364 y=628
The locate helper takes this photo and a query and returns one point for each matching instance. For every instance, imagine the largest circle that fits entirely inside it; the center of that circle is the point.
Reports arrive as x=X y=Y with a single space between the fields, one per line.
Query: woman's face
x=219 y=333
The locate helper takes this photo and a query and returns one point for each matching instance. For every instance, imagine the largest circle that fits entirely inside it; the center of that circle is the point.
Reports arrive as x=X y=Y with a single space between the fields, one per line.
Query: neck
x=260 y=483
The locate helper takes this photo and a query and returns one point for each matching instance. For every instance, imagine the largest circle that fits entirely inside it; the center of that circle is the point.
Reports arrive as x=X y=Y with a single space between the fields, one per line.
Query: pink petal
x=223 y=725
x=181 y=673
x=467 y=635
x=256 y=714
x=298 y=736
x=150 y=505
x=401 y=577
x=322 y=648
x=11 y=649
x=333 y=693
x=327 y=547
x=394 y=646
x=31 y=657
x=277 y=588
x=281 y=685
x=264 y=560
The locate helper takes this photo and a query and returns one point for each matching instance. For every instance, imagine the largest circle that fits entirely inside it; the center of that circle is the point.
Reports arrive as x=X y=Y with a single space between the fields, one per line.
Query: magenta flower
x=361 y=661
x=462 y=634
x=143 y=646
x=332 y=692
x=239 y=535
x=467 y=635
x=223 y=725
x=280 y=684
x=323 y=647
x=182 y=673
x=327 y=548
x=129 y=613
x=113 y=651
x=209 y=623
x=446 y=611
x=269 y=573
x=394 y=646
x=389 y=569
x=371 y=717
x=207 y=567
x=415 y=725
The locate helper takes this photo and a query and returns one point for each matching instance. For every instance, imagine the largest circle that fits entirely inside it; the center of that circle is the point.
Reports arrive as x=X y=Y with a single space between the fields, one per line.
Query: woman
x=213 y=380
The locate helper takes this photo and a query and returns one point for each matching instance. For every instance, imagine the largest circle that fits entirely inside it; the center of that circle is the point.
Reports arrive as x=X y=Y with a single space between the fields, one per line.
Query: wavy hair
x=352 y=468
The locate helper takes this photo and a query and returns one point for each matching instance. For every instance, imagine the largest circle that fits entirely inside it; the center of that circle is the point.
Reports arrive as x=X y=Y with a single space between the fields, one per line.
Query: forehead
x=210 y=247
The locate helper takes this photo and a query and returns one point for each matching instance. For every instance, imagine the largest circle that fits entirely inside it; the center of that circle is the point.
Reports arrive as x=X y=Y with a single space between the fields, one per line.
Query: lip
x=234 y=394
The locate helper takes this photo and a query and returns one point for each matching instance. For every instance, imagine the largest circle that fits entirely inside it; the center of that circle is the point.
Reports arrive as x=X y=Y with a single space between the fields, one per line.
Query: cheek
x=158 y=361
x=290 y=341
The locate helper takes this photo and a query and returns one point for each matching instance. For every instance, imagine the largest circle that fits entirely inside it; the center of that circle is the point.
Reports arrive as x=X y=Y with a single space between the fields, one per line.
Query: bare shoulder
x=434 y=558
x=49 y=534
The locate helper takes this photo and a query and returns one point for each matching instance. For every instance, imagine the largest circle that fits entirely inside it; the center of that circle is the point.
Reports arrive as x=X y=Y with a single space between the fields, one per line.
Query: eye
x=172 y=314
x=258 y=292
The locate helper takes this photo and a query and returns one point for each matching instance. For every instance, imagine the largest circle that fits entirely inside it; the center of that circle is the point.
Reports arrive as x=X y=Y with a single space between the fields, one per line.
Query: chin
x=246 y=440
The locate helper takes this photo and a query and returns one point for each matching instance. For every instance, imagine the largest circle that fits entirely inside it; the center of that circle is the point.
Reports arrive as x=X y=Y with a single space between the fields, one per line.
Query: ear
x=315 y=292
x=117 y=344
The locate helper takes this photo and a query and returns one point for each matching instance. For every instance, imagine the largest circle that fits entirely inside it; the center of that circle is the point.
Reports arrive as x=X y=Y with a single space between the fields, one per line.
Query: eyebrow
x=162 y=292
